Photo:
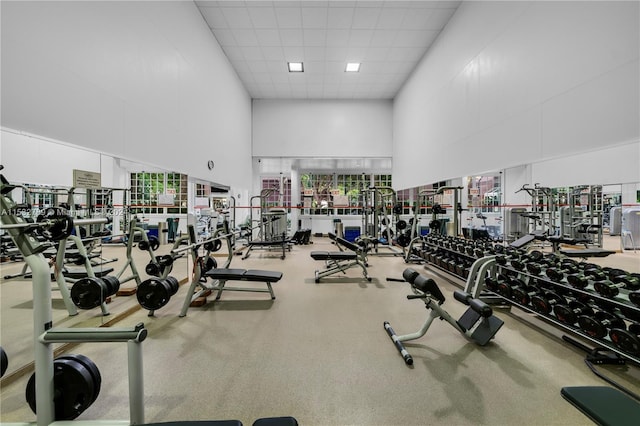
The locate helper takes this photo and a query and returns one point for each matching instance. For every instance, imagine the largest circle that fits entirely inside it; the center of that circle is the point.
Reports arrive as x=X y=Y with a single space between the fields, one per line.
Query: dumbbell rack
x=620 y=302
x=435 y=248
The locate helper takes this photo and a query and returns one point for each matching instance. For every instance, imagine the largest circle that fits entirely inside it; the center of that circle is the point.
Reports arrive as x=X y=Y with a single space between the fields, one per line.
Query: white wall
x=145 y=81
x=510 y=83
x=322 y=128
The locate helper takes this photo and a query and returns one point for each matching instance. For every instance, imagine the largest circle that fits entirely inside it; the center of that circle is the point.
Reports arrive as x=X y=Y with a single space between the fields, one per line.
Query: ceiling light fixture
x=295 y=66
x=352 y=67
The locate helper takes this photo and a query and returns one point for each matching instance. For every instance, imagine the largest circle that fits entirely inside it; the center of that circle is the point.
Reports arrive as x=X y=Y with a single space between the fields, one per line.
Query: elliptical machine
x=477 y=323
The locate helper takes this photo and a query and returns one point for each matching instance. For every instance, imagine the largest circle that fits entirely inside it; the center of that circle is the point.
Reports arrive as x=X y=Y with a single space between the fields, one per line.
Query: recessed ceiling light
x=295 y=66
x=353 y=67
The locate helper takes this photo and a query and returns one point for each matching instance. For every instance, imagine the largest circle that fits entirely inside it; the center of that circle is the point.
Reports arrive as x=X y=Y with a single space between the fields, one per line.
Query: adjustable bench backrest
x=348 y=244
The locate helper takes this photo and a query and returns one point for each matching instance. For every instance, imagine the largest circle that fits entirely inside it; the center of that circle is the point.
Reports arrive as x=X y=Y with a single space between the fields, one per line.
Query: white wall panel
x=28 y=159
x=308 y=128
x=526 y=81
x=141 y=80
x=603 y=111
x=612 y=165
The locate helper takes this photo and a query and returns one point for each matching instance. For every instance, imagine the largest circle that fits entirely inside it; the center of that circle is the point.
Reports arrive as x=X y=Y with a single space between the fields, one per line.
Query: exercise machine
x=477 y=323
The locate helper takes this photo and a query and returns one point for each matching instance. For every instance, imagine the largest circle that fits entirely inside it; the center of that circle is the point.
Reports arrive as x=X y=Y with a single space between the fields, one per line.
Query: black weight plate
x=153 y=269
x=113 y=284
x=565 y=315
x=88 y=293
x=625 y=341
x=74 y=389
x=91 y=367
x=401 y=224
x=210 y=263
x=540 y=304
x=154 y=243
x=153 y=294
x=534 y=268
x=4 y=362
x=143 y=245
x=173 y=283
x=592 y=326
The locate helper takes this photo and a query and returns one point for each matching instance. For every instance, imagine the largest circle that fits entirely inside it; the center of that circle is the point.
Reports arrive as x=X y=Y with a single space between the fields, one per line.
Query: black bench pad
x=604 y=405
x=268 y=243
x=587 y=252
x=244 y=275
x=333 y=255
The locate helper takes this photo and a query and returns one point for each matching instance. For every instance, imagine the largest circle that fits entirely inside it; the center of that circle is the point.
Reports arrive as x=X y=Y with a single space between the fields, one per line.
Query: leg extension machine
x=477 y=323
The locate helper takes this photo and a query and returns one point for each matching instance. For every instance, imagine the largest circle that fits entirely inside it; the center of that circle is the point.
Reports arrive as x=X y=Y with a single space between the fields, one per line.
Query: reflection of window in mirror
x=485 y=194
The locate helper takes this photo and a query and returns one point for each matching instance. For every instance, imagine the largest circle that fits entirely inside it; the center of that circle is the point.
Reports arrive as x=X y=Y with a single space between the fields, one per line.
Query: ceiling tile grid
x=388 y=37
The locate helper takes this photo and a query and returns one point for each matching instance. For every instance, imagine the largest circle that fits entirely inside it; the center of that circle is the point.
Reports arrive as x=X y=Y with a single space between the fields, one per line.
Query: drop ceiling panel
x=388 y=37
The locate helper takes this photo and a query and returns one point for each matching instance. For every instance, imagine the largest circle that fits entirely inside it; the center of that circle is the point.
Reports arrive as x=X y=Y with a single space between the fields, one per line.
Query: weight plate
x=74 y=389
x=625 y=341
x=88 y=293
x=4 y=362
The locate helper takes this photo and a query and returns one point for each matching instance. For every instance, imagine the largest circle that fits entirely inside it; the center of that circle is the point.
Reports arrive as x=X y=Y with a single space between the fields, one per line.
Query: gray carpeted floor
x=319 y=353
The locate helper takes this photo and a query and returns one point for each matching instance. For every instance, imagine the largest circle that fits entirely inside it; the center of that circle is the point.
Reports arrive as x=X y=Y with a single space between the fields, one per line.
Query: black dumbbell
x=567 y=266
x=595 y=272
x=155 y=293
x=533 y=256
x=568 y=314
x=91 y=292
x=627 y=340
x=160 y=266
x=524 y=294
x=544 y=302
x=596 y=325
x=153 y=243
x=634 y=297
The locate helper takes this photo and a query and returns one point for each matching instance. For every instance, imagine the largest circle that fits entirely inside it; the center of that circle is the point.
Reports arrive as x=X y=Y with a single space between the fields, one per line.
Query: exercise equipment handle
x=66 y=335
x=417 y=296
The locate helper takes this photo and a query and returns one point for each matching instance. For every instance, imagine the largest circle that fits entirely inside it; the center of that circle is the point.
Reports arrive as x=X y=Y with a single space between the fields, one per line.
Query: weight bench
x=585 y=253
x=340 y=261
x=604 y=405
x=284 y=243
x=253 y=275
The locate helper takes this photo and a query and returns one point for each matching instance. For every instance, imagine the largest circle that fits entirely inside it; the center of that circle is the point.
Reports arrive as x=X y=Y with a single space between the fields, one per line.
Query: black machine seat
x=333 y=255
x=604 y=405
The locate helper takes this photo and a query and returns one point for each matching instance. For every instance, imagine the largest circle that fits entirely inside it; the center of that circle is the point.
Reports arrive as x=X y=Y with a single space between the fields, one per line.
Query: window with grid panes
x=321 y=184
x=145 y=188
x=350 y=185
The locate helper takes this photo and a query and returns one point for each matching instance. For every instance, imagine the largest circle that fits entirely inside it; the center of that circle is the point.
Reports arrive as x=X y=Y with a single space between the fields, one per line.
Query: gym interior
x=253 y=212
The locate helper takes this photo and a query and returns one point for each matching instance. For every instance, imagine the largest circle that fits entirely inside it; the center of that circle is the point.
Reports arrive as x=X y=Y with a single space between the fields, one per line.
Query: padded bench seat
x=593 y=252
x=244 y=275
x=223 y=275
x=604 y=405
x=333 y=255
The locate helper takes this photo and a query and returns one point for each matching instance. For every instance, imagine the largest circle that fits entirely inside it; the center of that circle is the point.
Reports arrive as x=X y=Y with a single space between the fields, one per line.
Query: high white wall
x=512 y=83
x=144 y=81
x=322 y=128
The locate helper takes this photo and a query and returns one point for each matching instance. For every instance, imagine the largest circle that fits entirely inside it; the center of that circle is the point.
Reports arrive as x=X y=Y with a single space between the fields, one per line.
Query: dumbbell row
x=573 y=310
x=606 y=281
